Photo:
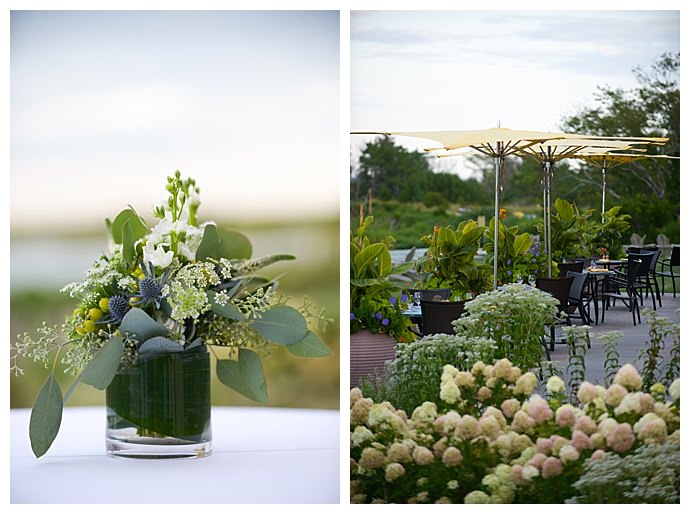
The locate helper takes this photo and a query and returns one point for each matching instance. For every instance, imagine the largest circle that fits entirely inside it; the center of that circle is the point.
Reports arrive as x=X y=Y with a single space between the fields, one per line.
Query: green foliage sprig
x=611 y=355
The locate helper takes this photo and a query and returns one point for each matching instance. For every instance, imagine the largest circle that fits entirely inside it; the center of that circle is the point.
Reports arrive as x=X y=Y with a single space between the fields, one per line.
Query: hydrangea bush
x=491 y=439
x=514 y=318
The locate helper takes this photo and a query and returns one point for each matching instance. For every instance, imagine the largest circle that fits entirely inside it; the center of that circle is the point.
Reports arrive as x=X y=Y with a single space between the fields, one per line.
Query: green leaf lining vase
x=160 y=407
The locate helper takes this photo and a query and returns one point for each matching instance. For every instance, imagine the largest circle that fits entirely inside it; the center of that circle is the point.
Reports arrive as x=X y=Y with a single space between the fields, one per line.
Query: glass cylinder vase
x=160 y=407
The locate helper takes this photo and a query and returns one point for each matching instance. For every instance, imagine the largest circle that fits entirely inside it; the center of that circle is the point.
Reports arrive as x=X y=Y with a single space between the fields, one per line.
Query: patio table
x=595 y=278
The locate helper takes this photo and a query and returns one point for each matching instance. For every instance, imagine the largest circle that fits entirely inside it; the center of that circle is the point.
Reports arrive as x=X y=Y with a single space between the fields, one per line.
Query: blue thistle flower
x=118 y=306
x=150 y=287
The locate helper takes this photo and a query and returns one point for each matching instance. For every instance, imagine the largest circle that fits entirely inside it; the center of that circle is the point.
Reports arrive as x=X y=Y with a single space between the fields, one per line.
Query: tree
x=651 y=109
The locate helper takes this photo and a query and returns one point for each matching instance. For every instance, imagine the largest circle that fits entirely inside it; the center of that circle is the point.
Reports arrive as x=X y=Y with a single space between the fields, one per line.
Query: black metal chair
x=565 y=267
x=672 y=262
x=559 y=288
x=580 y=297
x=643 y=279
x=437 y=317
x=624 y=289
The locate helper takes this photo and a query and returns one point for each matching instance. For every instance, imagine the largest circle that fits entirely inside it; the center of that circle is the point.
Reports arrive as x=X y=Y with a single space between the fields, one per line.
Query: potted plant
x=450 y=261
x=377 y=303
x=518 y=256
x=147 y=317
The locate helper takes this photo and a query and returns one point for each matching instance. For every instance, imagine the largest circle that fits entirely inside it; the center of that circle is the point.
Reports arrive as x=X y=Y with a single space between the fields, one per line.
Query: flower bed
x=492 y=440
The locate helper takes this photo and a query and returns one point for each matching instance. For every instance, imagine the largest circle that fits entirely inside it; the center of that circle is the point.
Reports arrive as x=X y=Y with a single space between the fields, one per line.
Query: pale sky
x=105 y=105
x=464 y=70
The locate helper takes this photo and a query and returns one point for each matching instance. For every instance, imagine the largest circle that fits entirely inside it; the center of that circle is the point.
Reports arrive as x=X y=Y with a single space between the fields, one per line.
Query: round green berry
x=89 y=326
x=103 y=304
x=95 y=314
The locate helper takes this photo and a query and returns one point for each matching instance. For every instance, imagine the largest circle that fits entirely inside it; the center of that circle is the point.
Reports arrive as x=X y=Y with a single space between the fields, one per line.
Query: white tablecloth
x=260 y=455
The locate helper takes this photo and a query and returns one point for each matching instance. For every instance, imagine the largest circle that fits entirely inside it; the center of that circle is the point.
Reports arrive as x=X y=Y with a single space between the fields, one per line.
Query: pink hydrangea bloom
x=452 y=457
x=615 y=394
x=522 y=422
x=552 y=467
x=509 y=407
x=651 y=429
x=586 y=424
x=544 y=445
x=587 y=392
x=646 y=403
x=467 y=428
x=516 y=475
x=565 y=416
x=537 y=460
x=569 y=453
x=621 y=438
x=539 y=409
x=628 y=377
x=598 y=455
x=422 y=456
x=581 y=441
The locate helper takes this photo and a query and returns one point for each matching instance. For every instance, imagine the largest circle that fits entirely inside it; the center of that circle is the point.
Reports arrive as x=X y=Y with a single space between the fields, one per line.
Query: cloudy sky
x=105 y=105
x=469 y=70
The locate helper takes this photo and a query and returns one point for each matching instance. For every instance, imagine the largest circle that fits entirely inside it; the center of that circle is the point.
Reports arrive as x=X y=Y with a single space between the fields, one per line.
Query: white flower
x=159 y=256
x=184 y=250
x=555 y=385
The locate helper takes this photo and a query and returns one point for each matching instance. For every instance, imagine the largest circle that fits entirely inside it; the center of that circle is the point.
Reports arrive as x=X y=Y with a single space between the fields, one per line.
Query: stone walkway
x=634 y=339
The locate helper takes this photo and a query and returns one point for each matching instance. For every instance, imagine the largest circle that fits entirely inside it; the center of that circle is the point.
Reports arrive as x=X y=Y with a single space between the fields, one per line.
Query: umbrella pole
x=497 y=165
x=547 y=210
x=603 y=191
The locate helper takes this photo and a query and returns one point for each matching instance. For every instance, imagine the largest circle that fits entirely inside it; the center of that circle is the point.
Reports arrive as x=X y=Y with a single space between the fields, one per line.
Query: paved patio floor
x=633 y=342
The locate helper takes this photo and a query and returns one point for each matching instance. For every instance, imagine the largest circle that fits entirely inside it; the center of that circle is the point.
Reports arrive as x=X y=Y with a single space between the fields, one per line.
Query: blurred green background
x=41 y=265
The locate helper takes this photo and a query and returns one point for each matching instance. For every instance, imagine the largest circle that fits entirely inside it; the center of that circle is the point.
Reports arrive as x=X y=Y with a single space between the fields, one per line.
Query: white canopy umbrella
x=606 y=161
x=497 y=143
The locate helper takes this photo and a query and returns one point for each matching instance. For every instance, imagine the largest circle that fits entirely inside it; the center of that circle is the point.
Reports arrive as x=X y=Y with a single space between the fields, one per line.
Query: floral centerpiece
x=147 y=315
x=604 y=253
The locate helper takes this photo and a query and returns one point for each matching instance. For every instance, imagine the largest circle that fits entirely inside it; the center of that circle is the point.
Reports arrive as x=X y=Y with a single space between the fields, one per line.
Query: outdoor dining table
x=596 y=278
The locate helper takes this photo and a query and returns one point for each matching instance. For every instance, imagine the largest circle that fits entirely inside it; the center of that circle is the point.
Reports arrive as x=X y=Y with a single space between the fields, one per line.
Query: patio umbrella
x=606 y=161
x=547 y=153
x=550 y=152
x=497 y=143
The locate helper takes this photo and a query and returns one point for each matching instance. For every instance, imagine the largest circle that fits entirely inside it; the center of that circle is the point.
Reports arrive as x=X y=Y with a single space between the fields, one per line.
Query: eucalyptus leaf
x=128 y=241
x=141 y=326
x=209 y=245
x=310 y=346
x=137 y=225
x=157 y=345
x=234 y=245
x=100 y=370
x=281 y=324
x=46 y=416
x=245 y=375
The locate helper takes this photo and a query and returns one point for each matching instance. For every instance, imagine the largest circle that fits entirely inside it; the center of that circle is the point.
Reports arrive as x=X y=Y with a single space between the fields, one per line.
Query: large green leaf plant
x=377 y=299
x=450 y=260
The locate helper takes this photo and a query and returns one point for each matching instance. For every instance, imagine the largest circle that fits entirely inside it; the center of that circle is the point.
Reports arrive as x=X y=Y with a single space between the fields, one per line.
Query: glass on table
x=532 y=280
x=417 y=298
